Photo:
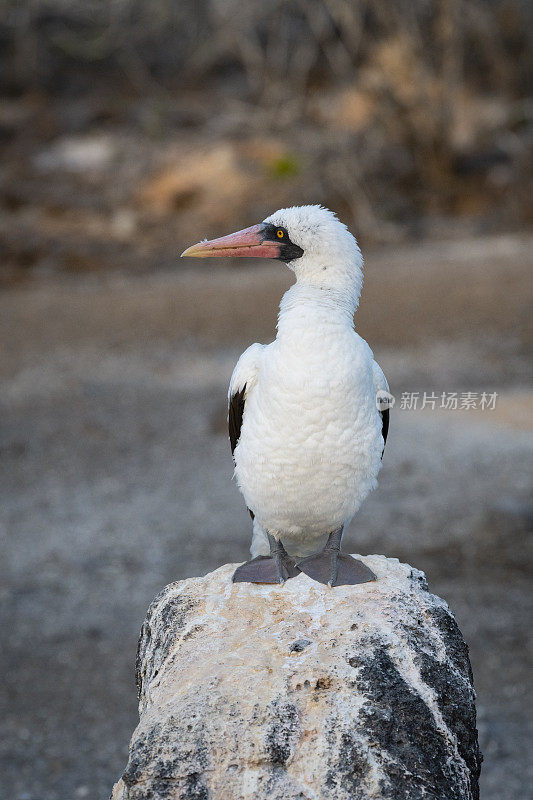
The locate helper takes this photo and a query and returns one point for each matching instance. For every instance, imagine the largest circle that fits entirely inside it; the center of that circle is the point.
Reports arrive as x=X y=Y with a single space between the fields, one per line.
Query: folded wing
x=381 y=385
x=241 y=385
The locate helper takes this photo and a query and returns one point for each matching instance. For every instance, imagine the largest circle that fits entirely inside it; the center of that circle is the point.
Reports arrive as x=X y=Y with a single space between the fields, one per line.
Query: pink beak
x=249 y=243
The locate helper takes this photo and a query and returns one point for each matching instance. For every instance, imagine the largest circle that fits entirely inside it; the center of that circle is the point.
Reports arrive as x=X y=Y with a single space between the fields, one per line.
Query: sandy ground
x=117 y=481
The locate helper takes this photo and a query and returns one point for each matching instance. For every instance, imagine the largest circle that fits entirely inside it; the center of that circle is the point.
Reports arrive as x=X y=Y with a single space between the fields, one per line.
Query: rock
x=303 y=692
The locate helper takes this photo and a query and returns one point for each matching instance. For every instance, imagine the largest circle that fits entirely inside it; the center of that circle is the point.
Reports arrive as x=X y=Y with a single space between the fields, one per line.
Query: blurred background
x=133 y=128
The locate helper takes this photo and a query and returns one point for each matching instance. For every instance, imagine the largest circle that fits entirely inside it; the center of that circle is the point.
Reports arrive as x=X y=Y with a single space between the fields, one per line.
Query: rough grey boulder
x=303 y=692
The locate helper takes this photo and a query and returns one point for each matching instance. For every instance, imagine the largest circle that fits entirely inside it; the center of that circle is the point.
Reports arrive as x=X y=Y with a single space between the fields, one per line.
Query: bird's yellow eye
x=280 y=234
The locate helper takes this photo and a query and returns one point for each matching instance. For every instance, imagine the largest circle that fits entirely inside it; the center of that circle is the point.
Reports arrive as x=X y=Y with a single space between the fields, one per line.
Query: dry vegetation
x=129 y=127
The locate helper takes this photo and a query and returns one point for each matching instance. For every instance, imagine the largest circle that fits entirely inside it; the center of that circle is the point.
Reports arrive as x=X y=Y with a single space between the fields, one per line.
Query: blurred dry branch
x=283 y=44
x=404 y=116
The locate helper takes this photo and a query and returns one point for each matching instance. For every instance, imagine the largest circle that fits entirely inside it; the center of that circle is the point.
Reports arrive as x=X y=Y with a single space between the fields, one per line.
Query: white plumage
x=311 y=439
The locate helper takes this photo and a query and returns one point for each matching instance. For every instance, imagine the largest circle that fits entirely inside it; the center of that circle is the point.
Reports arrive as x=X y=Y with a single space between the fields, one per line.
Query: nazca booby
x=307 y=434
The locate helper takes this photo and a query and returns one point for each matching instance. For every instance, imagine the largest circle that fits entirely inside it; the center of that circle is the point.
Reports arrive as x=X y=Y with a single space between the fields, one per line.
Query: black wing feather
x=235 y=414
x=384 y=427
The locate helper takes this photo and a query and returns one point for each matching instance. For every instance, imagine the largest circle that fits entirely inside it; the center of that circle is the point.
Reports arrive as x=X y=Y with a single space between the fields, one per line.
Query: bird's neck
x=307 y=306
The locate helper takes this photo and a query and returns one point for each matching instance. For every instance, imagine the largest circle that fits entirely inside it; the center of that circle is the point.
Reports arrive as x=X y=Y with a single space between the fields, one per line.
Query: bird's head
x=309 y=239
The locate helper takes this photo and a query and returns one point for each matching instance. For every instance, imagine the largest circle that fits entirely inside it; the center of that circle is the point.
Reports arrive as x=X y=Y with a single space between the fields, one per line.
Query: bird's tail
x=296 y=545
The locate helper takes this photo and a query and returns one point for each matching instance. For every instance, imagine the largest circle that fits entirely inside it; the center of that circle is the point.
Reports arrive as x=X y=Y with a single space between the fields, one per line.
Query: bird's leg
x=333 y=547
x=334 y=568
x=286 y=566
x=278 y=567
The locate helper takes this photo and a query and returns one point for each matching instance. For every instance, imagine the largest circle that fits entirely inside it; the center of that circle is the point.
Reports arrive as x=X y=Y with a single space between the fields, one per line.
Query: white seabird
x=306 y=431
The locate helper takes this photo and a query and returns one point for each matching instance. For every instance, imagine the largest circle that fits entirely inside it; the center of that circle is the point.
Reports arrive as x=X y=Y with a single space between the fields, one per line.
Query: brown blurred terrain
x=130 y=130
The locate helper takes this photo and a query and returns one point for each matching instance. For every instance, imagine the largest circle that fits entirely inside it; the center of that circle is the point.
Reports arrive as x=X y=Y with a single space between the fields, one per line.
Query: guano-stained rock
x=303 y=692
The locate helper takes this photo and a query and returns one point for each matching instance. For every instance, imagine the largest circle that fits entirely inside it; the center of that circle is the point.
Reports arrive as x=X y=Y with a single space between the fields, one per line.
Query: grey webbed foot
x=278 y=567
x=334 y=568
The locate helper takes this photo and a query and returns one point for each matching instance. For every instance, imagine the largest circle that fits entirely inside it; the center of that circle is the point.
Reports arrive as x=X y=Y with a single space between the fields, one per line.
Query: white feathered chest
x=310 y=444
